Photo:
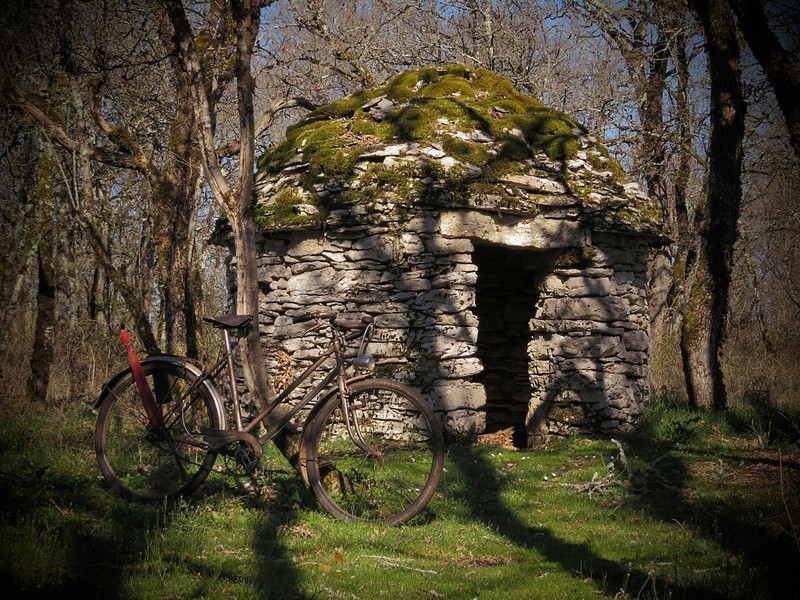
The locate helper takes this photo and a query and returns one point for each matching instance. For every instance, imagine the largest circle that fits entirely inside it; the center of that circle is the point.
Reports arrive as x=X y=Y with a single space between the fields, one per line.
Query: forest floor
x=688 y=506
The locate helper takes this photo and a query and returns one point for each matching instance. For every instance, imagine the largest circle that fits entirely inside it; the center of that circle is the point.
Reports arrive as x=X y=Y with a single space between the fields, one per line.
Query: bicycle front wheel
x=376 y=456
x=153 y=464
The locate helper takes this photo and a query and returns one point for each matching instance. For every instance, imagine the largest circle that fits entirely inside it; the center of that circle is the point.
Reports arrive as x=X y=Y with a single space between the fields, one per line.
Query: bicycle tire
x=391 y=480
x=145 y=464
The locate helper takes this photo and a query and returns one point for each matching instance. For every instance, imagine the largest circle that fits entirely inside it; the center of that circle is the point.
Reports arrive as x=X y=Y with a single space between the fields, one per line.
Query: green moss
x=123 y=138
x=400 y=179
x=551 y=132
x=324 y=145
x=431 y=105
x=408 y=124
x=574 y=414
x=343 y=108
x=510 y=158
x=545 y=130
x=365 y=127
x=679 y=271
x=401 y=88
x=466 y=99
x=696 y=308
x=401 y=94
x=646 y=212
x=448 y=86
x=281 y=212
x=595 y=159
x=469 y=152
x=407 y=80
x=494 y=85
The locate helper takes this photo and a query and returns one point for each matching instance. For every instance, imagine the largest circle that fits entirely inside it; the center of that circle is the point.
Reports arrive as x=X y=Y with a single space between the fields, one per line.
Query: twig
x=396 y=562
x=792 y=526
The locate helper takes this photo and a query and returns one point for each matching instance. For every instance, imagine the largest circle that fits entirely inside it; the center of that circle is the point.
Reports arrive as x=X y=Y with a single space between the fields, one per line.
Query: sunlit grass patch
x=653 y=515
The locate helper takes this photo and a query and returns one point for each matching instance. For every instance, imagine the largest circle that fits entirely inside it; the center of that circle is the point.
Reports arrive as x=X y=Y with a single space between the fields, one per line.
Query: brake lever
x=366 y=338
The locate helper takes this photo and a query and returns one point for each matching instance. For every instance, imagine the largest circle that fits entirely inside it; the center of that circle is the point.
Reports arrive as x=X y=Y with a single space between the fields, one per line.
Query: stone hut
x=498 y=246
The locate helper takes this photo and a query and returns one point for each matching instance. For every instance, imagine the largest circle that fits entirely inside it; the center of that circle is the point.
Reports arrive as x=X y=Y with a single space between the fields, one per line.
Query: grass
x=690 y=506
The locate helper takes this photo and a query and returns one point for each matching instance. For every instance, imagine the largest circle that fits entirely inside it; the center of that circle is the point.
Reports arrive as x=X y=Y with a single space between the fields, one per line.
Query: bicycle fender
x=324 y=400
x=310 y=420
x=219 y=402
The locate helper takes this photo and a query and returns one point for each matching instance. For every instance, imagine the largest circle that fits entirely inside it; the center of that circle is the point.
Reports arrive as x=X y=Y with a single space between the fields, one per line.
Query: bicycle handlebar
x=334 y=319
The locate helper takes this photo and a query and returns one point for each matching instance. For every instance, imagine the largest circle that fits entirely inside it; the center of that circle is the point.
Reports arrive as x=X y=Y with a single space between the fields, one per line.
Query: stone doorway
x=506 y=294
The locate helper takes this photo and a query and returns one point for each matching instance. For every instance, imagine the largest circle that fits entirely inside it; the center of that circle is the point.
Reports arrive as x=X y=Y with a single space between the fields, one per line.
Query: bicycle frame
x=337 y=372
x=156 y=459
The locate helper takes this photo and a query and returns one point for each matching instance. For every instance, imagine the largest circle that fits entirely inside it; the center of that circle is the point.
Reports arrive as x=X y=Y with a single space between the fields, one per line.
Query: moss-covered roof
x=448 y=136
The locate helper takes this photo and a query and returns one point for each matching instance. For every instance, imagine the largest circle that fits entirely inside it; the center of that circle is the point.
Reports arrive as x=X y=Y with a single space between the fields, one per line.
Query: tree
x=232 y=26
x=97 y=72
x=716 y=217
x=779 y=64
x=651 y=40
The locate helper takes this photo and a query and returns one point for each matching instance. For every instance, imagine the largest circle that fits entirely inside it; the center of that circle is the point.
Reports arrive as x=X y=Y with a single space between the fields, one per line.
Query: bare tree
x=99 y=116
x=716 y=218
x=233 y=25
x=779 y=64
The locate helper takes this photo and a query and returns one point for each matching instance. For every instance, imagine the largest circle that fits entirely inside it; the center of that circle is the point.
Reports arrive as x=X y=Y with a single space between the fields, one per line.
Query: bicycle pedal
x=219 y=438
x=251 y=487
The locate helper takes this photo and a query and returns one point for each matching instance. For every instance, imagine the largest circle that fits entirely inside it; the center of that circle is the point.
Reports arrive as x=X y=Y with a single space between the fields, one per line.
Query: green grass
x=691 y=506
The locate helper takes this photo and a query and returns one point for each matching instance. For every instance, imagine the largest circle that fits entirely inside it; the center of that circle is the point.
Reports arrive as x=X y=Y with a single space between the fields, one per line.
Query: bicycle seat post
x=232 y=378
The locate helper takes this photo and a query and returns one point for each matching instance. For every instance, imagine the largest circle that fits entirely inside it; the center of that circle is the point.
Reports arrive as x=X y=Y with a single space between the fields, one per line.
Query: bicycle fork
x=350 y=419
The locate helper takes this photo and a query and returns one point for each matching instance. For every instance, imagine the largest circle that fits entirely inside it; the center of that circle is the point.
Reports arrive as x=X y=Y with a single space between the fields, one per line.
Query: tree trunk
x=255 y=372
x=235 y=200
x=700 y=341
x=643 y=37
x=247 y=19
x=174 y=195
x=102 y=254
x=42 y=355
x=717 y=217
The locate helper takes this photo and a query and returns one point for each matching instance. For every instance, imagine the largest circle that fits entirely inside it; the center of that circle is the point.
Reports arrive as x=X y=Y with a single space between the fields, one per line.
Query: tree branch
x=180 y=41
x=268 y=118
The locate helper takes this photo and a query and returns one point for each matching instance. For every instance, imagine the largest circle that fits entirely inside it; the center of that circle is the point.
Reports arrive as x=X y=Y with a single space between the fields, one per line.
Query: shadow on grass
x=485 y=505
x=741 y=518
x=69 y=536
x=276 y=574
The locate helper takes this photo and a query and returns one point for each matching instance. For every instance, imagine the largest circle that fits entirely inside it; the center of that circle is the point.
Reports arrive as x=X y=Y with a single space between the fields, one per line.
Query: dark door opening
x=506 y=294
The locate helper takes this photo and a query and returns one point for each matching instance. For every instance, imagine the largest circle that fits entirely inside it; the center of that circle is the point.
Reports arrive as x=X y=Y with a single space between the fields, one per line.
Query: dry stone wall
x=496 y=243
x=589 y=345
x=576 y=308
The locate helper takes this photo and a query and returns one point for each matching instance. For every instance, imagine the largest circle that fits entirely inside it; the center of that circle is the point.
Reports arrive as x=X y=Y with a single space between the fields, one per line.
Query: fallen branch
x=396 y=563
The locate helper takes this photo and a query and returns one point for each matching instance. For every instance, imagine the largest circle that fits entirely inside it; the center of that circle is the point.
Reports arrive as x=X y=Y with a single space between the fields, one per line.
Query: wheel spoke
x=379 y=458
x=150 y=464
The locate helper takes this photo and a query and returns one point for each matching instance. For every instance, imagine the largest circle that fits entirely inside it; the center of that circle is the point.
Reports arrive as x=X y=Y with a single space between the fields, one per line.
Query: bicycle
x=371 y=449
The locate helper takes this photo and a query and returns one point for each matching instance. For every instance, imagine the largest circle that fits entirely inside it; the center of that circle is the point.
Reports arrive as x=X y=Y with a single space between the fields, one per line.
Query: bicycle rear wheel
x=381 y=461
x=145 y=463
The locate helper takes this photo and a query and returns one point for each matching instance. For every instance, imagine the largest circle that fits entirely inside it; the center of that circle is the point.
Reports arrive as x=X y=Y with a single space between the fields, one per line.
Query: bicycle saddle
x=229 y=321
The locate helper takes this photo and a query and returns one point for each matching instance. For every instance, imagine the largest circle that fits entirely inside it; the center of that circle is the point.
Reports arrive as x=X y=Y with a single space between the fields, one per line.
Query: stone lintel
x=530 y=232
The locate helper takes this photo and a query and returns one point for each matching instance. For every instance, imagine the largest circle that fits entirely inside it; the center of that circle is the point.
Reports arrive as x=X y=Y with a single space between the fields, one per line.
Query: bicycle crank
x=219 y=438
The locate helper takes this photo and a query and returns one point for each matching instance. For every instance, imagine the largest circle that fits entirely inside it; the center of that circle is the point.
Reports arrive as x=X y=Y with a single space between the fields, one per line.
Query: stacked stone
x=409 y=252
x=584 y=191
x=416 y=275
x=589 y=345
x=417 y=284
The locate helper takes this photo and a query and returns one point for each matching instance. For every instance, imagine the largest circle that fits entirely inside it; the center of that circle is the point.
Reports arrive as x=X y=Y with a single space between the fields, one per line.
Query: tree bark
x=717 y=217
x=44 y=328
x=235 y=200
x=172 y=184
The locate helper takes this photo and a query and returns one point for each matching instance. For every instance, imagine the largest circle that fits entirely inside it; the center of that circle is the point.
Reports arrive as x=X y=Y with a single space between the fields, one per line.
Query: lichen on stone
x=443 y=135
